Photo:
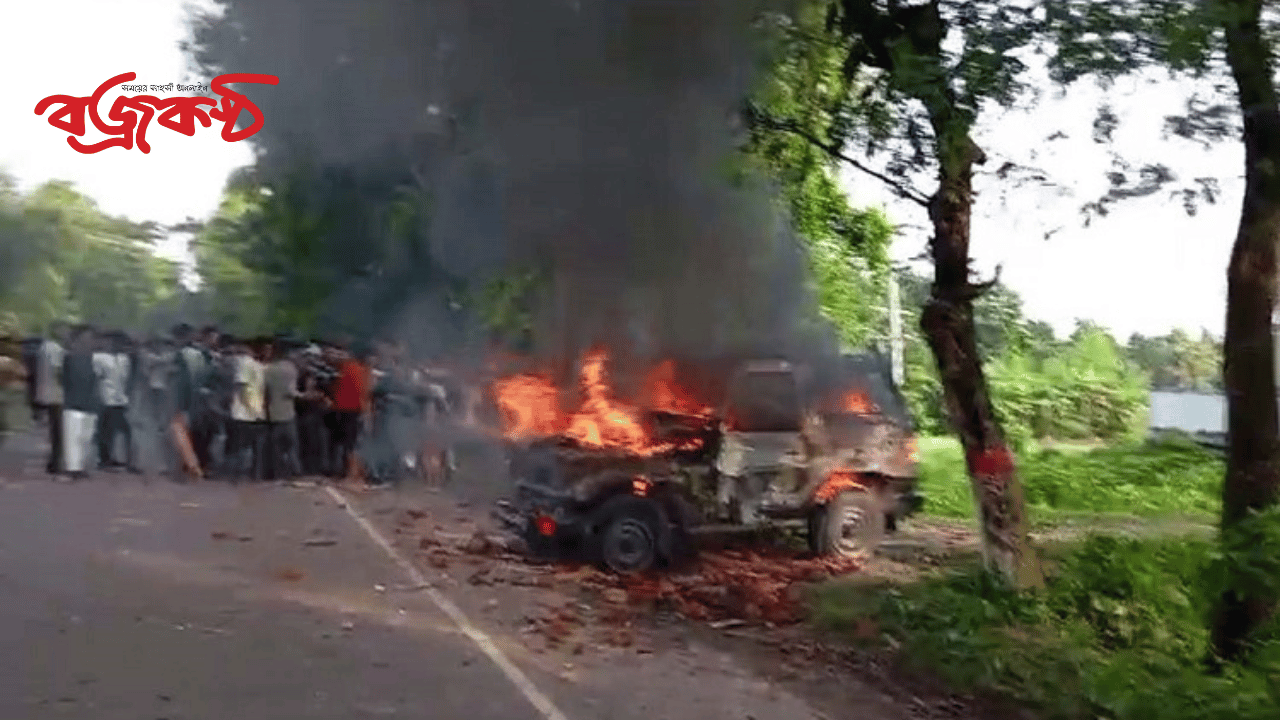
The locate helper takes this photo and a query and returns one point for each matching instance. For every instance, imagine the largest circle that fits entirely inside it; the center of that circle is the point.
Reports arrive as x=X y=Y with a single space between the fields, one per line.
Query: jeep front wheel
x=851 y=524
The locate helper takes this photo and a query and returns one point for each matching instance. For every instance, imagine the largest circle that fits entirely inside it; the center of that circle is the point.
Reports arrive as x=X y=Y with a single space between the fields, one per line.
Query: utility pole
x=895 y=330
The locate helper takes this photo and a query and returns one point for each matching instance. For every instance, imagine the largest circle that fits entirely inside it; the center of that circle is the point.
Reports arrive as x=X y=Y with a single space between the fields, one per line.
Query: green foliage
x=847 y=247
x=1150 y=479
x=506 y=304
x=238 y=296
x=1082 y=388
x=61 y=257
x=1118 y=632
x=1250 y=562
x=918 y=75
x=850 y=294
x=1110 y=38
x=1177 y=361
x=1086 y=390
x=309 y=248
x=943 y=478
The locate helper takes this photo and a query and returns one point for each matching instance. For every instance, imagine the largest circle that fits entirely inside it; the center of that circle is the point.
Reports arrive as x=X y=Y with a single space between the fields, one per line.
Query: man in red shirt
x=352 y=405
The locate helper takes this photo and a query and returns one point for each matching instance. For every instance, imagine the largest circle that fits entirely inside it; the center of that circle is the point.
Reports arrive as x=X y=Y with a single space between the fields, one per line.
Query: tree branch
x=190 y=225
x=757 y=118
x=977 y=290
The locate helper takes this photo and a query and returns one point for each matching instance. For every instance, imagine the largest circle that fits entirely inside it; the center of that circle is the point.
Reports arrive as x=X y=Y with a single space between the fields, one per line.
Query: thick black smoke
x=592 y=136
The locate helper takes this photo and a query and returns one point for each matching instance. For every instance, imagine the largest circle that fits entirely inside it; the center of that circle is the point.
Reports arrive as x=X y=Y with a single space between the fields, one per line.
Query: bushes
x=1147 y=479
x=1119 y=632
x=1083 y=389
x=1037 y=404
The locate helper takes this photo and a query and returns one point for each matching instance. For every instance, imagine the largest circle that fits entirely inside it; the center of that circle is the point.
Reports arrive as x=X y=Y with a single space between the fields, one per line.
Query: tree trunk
x=1253 y=465
x=883 y=36
x=947 y=322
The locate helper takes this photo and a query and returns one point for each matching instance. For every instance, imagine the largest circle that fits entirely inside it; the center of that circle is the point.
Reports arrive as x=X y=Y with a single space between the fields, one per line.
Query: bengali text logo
x=130 y=116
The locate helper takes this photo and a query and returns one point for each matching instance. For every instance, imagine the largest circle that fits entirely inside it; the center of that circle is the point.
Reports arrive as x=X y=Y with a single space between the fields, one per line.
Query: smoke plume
x=592 y=137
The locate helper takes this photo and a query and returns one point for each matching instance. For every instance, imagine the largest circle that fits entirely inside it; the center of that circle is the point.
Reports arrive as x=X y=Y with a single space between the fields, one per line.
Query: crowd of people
x=205 y=404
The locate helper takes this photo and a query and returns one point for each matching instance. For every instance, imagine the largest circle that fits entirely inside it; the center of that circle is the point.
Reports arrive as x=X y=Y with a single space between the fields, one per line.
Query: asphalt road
x=123 y=599
x=143 y=599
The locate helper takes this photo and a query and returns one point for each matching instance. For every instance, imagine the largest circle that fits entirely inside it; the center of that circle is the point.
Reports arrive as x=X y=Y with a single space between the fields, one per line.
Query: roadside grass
x=1075 y=481
x=1119 y=632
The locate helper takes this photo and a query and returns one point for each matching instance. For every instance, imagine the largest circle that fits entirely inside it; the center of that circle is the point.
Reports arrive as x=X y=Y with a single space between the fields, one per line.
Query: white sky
x=1147 y=268
x=69 y=47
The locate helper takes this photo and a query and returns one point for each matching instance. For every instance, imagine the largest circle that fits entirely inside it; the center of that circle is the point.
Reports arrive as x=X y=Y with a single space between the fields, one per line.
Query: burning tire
x=632 y=533
x=851 y=524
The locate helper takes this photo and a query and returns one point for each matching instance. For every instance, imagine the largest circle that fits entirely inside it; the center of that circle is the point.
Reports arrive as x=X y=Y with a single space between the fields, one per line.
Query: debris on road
x=289 y=574
x=413 y=588
x=480 y=544
x=556 y=624
x=220 y=535
x=319 y=542
x=733 y=586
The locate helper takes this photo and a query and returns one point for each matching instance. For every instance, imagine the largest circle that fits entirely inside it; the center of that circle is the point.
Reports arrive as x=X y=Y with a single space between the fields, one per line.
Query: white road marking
x=536 y=697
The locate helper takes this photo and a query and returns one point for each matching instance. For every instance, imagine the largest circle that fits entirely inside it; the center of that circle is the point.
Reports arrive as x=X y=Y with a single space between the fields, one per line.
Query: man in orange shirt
x=352 y=406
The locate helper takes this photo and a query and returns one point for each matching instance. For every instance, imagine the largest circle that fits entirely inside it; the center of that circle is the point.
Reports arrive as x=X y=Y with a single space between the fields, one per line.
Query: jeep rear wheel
x=851 y=524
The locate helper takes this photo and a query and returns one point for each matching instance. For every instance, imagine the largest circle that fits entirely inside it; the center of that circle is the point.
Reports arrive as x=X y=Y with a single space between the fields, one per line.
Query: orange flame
x=836 y=483
x=602 y=421
x=664 y=394
x=855 y=402
x=531 y=408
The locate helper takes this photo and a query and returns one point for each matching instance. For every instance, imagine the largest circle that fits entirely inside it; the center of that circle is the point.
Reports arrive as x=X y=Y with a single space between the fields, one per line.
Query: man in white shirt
x=113 y=367
x=48 y=394
x=248 y=411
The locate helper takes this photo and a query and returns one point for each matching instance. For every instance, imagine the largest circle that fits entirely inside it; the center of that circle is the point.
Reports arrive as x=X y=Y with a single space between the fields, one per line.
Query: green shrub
x=943 y=479
x=1251 y=555
x=1119 y=632
x=1148 y=479
x=1084 y=390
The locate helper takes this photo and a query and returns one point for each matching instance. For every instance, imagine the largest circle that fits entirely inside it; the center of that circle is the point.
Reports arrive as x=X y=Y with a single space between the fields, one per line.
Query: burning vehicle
x=629 y=484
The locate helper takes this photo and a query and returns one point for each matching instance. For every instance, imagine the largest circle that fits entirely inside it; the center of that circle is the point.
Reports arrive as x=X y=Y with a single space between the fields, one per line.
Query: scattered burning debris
x=754 y=585
x=730 y=582
x=748 y=586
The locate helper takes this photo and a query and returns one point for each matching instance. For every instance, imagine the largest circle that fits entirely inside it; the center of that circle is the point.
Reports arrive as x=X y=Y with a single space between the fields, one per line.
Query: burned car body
x=833 y=451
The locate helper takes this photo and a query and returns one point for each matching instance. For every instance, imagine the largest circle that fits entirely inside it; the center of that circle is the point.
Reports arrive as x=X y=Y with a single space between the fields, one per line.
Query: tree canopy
x=62 y=258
